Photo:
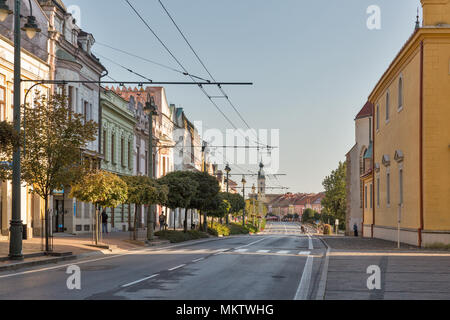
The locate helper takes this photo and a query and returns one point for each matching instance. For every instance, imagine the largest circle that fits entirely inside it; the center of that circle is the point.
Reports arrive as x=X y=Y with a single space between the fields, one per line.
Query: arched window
x=387 y=106
x=400 y=93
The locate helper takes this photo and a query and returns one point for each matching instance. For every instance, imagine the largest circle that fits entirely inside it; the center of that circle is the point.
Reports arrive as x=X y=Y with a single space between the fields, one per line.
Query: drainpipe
x=421 y=146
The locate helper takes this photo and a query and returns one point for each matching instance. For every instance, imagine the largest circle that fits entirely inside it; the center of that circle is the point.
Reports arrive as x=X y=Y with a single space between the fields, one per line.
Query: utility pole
x=243 y=195
x=227 y=170
x=151 y=110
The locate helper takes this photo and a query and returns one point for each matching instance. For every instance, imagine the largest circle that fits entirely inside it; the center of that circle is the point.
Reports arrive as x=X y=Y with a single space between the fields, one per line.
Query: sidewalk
x=406 y=273
x=67 y=247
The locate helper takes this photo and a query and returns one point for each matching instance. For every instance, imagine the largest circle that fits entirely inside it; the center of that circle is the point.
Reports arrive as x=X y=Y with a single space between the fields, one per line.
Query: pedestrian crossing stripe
x=301 y=253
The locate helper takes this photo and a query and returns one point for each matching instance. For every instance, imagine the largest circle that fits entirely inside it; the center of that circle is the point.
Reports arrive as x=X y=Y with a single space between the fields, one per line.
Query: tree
x=9 y=140
x=102 y=188
x=334 y=201
x=221 y=205
x=182 y=188
x=54 y=136
x=208 y=188
x=143 y=190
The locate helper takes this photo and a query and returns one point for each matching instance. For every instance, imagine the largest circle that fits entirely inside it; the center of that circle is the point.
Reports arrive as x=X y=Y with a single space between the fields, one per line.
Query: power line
x=225 y=95
x=123 y=67
x=182 y=67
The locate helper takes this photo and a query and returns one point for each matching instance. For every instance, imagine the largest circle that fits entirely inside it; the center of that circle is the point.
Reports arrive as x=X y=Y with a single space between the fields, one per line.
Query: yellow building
x=411 y=149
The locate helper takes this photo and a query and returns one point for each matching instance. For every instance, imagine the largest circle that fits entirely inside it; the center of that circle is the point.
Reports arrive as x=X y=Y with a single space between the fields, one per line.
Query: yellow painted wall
x=436 y=126
x=401 y=132
x=367 y=209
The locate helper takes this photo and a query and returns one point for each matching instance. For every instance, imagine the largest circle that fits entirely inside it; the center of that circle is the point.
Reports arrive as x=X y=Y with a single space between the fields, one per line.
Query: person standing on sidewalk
x=355 y=229
x=162 y=222
x=104 y=222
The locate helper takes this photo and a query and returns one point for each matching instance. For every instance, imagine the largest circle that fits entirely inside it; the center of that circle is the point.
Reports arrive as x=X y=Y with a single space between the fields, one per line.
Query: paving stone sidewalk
x=410 y=273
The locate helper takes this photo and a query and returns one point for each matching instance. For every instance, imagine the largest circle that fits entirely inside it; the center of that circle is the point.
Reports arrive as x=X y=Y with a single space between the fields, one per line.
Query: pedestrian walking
x=162 y=221
x=104 y=222
x=355 y=229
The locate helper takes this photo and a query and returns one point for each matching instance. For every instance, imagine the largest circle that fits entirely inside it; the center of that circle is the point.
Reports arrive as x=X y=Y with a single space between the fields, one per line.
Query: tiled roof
x=366 y=111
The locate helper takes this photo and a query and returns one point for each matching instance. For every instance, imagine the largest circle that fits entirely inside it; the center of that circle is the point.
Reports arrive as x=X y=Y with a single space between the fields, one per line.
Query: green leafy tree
x=334 y=201
x=182 y=189
x=9 y=140
x=102 y=188
x=203 y=200
x=54 y=137
x=222 y=206
x=143 y=190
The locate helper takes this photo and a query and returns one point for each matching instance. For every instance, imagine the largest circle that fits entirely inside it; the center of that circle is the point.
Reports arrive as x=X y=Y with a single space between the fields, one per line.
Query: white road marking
x=197 y=260
x=101 y=259
x=180 y=266
x=241 y=250
x=283 y=251
x=310 y=244
x=139 y=281
x=250 y=244
x=303 y=287
x=263 y=251
x=304 y=253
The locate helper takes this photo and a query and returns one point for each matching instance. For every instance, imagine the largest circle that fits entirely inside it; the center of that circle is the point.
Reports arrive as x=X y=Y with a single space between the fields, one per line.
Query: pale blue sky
x=313 y=64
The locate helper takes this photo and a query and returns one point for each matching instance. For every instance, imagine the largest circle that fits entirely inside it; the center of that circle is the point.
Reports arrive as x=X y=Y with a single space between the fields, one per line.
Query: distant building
x=355 y=168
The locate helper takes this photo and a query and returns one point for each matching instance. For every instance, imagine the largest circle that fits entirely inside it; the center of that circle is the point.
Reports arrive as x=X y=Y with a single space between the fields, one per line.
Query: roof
x=366 y=111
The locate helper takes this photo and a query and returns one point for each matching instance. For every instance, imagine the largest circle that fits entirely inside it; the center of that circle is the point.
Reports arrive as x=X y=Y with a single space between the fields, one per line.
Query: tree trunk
x=135 y=222
x=185 y=220
x=150 y=223
x=46 y=226
x=96 y=225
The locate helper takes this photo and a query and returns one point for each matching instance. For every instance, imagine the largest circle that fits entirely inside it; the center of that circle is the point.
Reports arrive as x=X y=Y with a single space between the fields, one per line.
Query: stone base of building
x=409 y=236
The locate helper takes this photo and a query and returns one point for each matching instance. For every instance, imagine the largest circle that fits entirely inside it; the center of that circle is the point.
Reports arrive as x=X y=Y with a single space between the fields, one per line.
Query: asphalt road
x=280 y=264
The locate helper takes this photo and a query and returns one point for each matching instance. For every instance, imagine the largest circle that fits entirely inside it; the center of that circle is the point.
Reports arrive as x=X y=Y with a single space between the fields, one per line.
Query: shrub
x=219 y=230
x=180 y=236
x=263 y=224
x=238 y=229
x=251 y=228
x=327 y=229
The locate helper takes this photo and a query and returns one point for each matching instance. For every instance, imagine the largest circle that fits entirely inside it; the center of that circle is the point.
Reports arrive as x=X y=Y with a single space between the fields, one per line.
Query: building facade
x=411 y=152
x=118 y=125
x=36 y=65
x=355 y=168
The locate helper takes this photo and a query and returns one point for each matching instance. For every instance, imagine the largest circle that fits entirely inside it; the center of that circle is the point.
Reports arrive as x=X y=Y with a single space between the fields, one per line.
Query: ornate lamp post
x=243 y=194
x=253 y=207
x=150 y=110
x=31 y=28
x=227 y=170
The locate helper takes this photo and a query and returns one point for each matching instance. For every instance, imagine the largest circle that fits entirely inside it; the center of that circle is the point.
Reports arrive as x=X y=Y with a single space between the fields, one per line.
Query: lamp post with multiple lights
x=243 y=195
x=31 y=29
x=150 y=110
x=227 y=170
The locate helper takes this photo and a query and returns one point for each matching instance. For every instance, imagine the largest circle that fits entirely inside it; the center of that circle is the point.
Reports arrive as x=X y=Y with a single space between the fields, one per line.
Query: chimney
x=436 y=12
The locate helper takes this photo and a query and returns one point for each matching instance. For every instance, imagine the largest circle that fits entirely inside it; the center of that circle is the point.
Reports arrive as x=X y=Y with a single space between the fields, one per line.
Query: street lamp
x=4 y=10
x=243 y=194
x=16 y=227
x=253 y=207
x=227 y=170
x=150 y=110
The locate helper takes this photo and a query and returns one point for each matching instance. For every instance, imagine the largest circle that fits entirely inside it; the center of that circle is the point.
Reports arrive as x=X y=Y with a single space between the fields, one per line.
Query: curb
x=21 y=265
x=323 y=278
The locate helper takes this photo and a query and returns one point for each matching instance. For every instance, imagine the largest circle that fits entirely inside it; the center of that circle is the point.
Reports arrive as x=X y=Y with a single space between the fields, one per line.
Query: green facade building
x=117 y=139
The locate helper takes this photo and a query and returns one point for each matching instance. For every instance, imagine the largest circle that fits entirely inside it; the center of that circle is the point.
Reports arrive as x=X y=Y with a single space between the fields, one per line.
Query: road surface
x=279 y=264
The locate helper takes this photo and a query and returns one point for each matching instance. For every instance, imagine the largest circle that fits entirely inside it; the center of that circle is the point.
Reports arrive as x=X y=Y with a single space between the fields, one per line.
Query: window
x=122 y=152
x=378 y=192
x=113 y=147
x=365 y=197
x=387 y=106
x=3 y=103
x=146 y=162
x=371 y=196
x=388 y=189
x=378 y=117
x=85 y=111
x=400 y=93
x=400 y=177
x=129 y=154
x=138 y=160
x=70 y=98
x=104 y=143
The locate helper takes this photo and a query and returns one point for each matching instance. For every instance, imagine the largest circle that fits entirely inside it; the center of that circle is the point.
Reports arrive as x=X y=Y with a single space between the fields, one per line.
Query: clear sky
x=313 y=64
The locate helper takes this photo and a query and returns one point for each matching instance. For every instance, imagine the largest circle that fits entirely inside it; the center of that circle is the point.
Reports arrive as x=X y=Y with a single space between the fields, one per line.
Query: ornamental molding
x=386 y=160
x=399 y=156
